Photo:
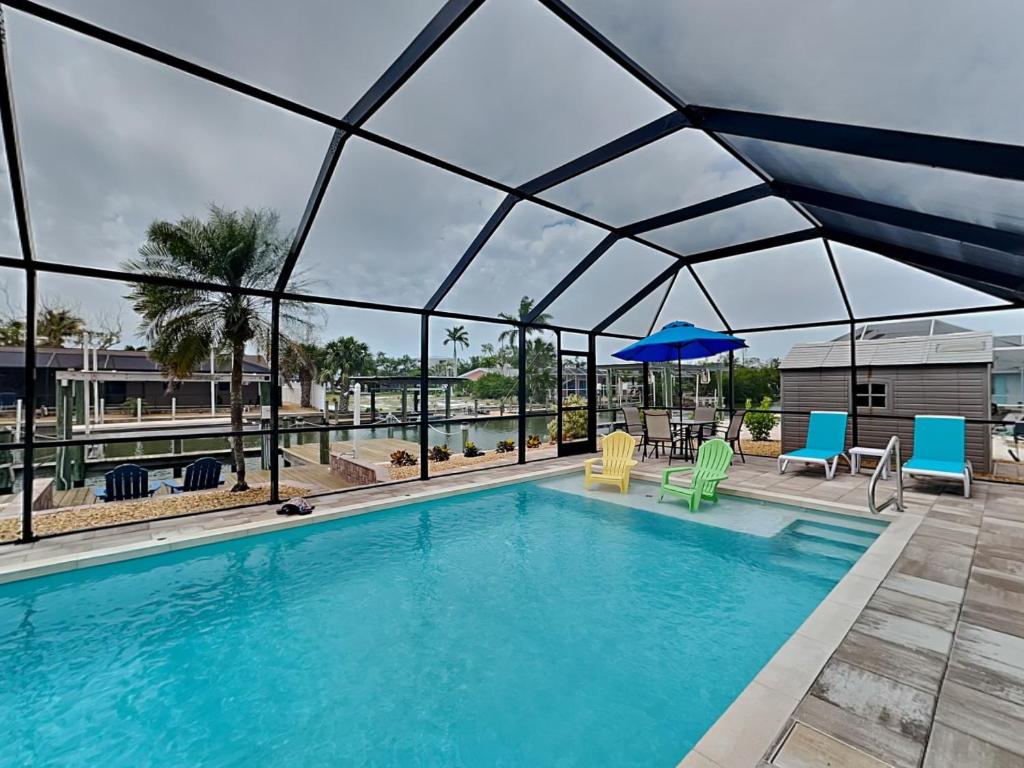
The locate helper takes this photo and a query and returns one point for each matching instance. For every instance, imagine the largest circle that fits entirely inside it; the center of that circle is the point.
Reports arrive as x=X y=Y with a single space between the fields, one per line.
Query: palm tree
x=510 y=337
x=299 y=360
x=183 y=325
x=56 y=325
x=540 y=369
x=340 y=360
x=457 y=335
x=12 y=332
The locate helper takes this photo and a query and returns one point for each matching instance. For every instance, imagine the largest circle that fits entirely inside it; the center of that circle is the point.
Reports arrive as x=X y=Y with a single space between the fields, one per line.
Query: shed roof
x=973 y=348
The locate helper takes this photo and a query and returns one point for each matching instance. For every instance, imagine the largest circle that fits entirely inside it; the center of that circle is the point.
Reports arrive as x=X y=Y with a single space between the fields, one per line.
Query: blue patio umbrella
x=679 y=341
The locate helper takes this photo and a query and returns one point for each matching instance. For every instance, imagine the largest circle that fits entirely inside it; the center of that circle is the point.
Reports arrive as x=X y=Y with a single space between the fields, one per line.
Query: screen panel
x=1008 y=266
x=112 y=143
x=864 y=72
x=877 y=285
x=751 y=221
x=780 y=286
x=982 y=200
x=674 y=172
x=639 y=320
x=623 y=270
x=390 y=228
x=324 y=54
x=10 y=246
x=529 y=253
x=473 y=395
x=688 y=303
x=515 y=93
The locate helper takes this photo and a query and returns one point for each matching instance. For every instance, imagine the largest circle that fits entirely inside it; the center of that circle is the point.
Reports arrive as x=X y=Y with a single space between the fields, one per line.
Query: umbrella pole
x=679 y=378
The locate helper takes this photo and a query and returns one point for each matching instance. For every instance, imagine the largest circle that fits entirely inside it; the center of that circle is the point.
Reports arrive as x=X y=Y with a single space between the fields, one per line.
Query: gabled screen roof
x=617 y=168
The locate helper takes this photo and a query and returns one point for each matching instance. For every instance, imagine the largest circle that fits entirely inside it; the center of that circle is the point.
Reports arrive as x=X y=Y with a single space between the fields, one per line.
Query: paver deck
x=931 y=673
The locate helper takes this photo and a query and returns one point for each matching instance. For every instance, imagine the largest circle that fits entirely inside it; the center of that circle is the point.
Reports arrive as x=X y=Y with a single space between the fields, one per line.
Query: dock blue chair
x=126 y=481
x=826 y=437
x=201 y=475
x=940 y=450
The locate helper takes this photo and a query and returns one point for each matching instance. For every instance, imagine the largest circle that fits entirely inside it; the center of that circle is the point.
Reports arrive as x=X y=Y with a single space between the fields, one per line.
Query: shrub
x=574 y=423
x=760 y=425
x=505 y=446
x=440 y=453
x=403 y=459
x=494 y=386
x=471 y=450
x=533 y=441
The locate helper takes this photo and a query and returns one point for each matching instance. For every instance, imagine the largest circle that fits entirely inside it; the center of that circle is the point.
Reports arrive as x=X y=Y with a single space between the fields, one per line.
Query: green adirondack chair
x=713 y=459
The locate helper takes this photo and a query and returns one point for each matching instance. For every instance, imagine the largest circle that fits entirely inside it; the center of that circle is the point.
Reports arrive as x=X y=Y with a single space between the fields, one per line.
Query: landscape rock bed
x=454 y=464
x=113 y=513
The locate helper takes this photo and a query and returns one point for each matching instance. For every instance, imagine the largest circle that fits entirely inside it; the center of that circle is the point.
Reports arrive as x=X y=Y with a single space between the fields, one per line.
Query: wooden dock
x=375 y=451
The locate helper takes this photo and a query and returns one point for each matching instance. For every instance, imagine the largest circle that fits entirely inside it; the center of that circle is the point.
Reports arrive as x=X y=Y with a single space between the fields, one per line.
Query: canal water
x=485 y=434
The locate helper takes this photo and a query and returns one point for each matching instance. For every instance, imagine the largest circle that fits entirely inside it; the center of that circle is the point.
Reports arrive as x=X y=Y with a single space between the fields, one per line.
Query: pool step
x=846 y=522
x=842 y=553
x=833 y=533
x=818 y=567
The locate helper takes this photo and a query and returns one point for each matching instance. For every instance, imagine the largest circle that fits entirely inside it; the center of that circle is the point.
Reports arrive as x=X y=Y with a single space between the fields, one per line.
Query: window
x=872 y=394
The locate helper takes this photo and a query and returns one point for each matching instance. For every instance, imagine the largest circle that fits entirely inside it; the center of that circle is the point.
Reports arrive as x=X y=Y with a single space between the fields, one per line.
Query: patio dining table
x=685 y=428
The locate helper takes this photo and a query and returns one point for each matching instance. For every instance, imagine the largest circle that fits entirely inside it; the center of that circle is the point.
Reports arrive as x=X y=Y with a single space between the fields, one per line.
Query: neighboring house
x=1008 y=373
x=49 y=360
x=947 y=374
x=477 y=373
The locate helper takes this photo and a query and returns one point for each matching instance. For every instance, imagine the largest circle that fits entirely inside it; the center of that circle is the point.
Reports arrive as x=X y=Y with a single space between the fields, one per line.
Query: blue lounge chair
x=126 y=481
x=201 y=475
x=939 y=450
x=826 y=436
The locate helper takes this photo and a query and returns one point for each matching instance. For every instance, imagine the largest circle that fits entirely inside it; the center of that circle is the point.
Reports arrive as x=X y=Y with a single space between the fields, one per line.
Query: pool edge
x=749 y=728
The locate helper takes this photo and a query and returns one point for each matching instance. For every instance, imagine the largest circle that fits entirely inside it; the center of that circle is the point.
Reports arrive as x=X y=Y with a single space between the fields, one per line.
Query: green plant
x=338 y=360
x=533 y=441
x=505 y=446
x=494 y=386
x=456 y=336
x=574 y=423
x=470 y=450
x=245 y=251
x=403 y=459
x=760 y=425
x=440 y=453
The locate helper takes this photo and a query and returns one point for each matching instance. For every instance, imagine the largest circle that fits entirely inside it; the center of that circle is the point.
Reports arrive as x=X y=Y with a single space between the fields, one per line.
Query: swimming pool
x=523 y=625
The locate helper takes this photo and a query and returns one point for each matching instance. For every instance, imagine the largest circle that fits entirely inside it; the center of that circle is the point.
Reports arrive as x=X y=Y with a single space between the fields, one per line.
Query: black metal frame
x=976 y=157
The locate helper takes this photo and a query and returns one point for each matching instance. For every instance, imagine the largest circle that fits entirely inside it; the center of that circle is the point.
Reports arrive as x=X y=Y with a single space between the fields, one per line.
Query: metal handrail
x=897 y=498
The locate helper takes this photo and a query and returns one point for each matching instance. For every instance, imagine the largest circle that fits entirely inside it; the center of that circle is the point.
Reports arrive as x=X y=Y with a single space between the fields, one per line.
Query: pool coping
x=748 y=727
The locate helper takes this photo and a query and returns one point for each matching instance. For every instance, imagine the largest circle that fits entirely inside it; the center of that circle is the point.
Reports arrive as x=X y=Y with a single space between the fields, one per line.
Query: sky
x=112 y=142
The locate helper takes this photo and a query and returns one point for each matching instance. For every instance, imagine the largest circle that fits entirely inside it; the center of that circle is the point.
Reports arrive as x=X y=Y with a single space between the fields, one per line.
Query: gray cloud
x=679 y=170
x=112 y=142
x=532 y=250
x=322 y=53
x=942 y=66
x=515 y=93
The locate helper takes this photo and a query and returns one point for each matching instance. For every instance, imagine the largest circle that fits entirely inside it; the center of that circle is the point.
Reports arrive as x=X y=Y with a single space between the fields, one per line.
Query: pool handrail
x=897 y=498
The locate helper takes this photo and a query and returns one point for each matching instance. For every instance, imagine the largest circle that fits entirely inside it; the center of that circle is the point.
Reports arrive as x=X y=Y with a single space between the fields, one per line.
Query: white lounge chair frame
x=830 y=467
x=967 y=476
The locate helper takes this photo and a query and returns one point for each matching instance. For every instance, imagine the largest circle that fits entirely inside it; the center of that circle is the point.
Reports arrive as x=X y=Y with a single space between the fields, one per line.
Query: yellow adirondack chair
x=616 y=462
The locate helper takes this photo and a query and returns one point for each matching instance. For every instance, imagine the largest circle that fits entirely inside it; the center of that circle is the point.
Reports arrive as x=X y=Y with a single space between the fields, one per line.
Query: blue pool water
x=520 y=626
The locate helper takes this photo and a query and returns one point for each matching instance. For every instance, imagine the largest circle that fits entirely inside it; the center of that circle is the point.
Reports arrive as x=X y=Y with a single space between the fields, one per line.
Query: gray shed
x=905 y=376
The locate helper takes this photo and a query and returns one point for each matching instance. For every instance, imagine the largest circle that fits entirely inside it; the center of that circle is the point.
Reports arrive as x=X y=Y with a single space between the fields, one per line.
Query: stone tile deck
x=931 y=673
